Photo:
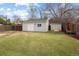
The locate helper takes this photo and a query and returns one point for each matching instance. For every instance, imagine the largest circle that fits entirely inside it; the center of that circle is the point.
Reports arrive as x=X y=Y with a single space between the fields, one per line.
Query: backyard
x=16 y=43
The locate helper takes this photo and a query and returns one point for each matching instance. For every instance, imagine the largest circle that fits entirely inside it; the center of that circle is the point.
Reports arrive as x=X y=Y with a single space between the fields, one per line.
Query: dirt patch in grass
x=2 y=34
x=6 y=33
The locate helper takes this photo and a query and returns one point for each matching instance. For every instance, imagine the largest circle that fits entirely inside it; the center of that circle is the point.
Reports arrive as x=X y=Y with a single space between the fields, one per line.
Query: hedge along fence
x=10 y=28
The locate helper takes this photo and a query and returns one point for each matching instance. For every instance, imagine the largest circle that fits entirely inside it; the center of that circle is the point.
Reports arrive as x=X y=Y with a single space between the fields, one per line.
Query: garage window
x=39 y=25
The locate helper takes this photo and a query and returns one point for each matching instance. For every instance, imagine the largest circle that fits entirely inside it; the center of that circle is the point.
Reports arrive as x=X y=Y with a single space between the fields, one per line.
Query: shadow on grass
x=8 y=33
x=52 y=32
x=48 y=32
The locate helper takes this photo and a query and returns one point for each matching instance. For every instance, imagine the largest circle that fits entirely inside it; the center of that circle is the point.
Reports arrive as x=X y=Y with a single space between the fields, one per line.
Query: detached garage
x=55 y=25
x=35 y=25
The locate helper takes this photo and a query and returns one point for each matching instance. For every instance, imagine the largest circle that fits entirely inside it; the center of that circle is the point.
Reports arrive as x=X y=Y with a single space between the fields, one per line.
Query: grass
x=37 y=44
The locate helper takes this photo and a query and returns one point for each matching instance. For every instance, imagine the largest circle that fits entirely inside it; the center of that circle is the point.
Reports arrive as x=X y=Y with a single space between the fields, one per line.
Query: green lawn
x=36 y=44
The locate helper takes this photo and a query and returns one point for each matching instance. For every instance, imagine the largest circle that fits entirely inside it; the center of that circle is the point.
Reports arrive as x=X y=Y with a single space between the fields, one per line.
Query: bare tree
x=35 y=11
x=40 y=12
x=32 y=11
x=59 y=10
x=17 y=19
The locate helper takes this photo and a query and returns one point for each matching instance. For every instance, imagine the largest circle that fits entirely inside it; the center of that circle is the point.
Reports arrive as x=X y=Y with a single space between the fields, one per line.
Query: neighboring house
x=35 y=25
x=55 y=25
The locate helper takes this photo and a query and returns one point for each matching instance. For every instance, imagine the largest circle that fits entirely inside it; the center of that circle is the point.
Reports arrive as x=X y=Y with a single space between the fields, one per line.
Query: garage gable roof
x=35 y=20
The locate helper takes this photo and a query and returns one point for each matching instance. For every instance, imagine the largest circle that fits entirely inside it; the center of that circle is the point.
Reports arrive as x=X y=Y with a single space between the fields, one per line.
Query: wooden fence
x=17 y=28
x=5 y=27
x=10 y=28
x=70 y=27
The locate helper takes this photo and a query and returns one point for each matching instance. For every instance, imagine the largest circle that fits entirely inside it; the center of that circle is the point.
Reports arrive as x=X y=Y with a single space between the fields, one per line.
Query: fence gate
x=17 y=28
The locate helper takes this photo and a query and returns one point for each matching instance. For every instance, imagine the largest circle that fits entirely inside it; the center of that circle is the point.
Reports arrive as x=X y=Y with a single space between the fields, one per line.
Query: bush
x=2 y=21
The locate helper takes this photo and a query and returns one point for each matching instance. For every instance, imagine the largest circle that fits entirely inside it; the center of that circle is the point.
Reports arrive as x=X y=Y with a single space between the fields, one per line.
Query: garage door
x=30 y=27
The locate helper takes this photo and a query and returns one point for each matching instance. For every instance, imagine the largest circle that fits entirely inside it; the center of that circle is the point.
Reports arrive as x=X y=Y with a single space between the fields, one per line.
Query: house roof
x=35 y=20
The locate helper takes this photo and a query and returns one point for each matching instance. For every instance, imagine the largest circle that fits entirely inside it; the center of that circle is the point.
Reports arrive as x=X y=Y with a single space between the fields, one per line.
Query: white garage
x=55 y=24
x=35 y=25
x=28 y=27
x=56 y=27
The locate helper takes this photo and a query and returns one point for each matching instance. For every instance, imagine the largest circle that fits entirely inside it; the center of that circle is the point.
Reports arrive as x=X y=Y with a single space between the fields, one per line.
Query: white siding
x=34 y=26
x=24 y=27
x=28 y=27
x=56 y=27
x=42 y=28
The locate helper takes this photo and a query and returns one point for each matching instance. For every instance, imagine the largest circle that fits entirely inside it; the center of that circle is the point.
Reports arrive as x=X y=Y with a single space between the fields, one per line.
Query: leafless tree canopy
x=17 y=19
x=61 y=11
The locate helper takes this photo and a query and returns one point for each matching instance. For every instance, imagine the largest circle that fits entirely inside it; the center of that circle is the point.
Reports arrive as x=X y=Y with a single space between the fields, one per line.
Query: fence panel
x=10 y=28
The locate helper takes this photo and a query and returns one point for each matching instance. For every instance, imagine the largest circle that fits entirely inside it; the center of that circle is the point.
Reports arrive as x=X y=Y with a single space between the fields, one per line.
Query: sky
x=20 y=9
x=11 y=9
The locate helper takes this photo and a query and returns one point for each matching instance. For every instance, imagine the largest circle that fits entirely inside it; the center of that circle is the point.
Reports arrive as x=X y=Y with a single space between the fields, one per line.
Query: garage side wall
x=35 y=27
x=24 y=27
x=44 y=27
x=56 y=27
